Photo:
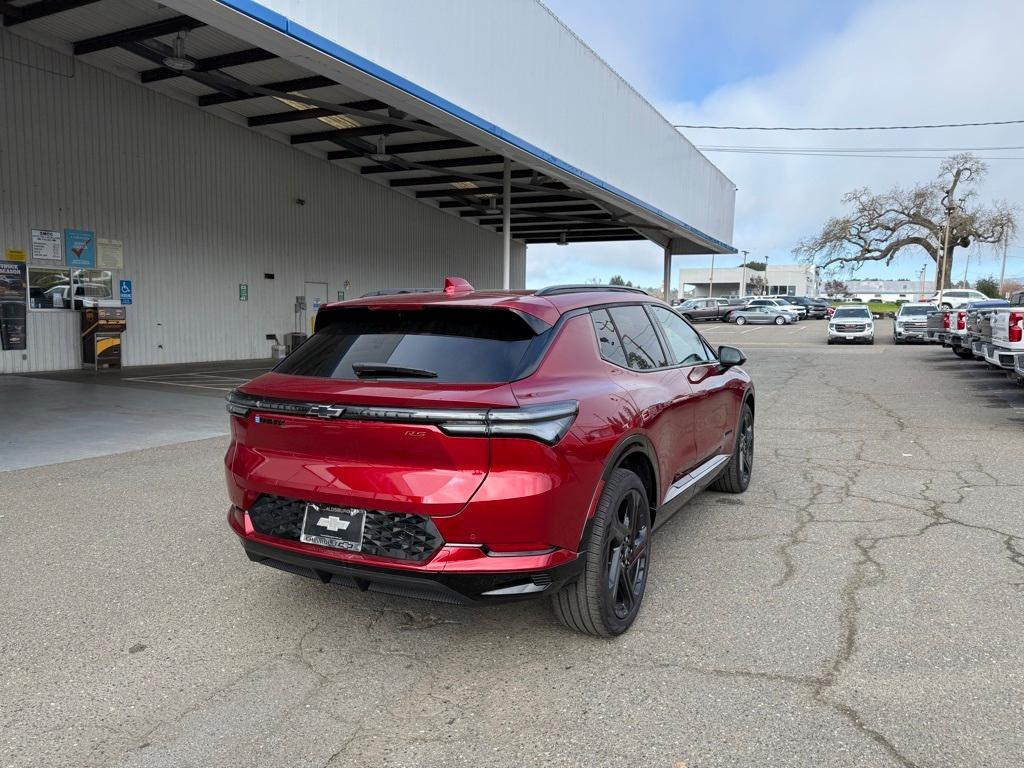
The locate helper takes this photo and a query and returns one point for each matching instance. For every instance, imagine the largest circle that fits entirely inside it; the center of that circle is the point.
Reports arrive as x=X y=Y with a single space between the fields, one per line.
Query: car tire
x=780 y=321
x=736 y=476
x=621 y=531
x=963 y=354
x=741 y=321
x=831 y=341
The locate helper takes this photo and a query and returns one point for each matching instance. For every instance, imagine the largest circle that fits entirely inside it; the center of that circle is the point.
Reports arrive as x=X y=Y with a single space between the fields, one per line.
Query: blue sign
x=80 y=248
x=126 y=291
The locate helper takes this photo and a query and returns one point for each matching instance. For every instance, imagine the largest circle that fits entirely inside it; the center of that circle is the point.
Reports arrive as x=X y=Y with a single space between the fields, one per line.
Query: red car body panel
x=502 y=505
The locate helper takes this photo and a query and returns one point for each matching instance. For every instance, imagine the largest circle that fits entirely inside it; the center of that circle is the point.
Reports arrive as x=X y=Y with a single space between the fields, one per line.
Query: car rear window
x=465 y=345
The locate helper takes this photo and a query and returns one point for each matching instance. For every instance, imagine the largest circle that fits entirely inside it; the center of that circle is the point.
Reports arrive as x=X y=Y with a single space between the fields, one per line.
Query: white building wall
x=514 y=64
x=201 y=205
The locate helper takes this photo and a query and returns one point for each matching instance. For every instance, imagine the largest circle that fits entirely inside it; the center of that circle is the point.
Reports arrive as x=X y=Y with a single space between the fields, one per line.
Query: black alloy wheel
x=736 y=476
x=626 y=555
x=605 y=599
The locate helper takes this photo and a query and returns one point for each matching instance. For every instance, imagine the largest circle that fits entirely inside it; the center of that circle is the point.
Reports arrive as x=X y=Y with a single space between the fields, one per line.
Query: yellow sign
x=15 y=254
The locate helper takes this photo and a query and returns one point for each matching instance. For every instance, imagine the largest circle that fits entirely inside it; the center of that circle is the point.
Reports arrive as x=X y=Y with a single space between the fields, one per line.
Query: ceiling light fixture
x=381 y=155
x=178 y=61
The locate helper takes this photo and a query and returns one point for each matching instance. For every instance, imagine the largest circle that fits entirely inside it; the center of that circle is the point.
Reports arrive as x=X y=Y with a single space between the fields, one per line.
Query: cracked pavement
x=860 y=605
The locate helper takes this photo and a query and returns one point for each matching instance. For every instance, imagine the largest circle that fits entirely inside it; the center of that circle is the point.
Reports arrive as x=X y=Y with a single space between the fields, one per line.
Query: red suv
x=481 y=446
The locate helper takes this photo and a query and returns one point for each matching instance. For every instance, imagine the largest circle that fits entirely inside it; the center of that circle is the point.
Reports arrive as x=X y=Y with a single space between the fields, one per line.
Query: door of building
x=316 y=294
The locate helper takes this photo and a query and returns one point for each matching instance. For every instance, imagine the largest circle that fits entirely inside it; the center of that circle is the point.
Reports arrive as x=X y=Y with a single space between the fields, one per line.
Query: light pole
x=711 y=282
x=940 y=278
x=767 y=283
x=743 y=275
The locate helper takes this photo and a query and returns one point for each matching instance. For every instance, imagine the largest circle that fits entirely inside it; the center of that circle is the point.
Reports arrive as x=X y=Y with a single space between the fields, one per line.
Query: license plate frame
x=329 y=525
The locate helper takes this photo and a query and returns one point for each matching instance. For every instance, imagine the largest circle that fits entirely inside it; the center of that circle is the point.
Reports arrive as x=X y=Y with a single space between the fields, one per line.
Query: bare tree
x=836 y=288
x=758 y=285
x=880 y=226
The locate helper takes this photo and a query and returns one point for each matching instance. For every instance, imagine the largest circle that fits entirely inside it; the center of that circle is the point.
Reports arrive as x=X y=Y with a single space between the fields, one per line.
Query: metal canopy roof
x=252 y=86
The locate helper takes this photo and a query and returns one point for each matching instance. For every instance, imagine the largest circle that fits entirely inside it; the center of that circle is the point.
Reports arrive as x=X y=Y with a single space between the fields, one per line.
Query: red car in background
x=483 y=446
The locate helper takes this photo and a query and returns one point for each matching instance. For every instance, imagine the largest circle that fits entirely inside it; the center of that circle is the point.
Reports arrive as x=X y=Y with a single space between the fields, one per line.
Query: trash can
x=278 y=351
x=293 y=341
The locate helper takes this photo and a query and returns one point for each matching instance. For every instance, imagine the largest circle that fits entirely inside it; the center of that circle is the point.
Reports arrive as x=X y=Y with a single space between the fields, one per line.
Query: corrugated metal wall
x=201 y=205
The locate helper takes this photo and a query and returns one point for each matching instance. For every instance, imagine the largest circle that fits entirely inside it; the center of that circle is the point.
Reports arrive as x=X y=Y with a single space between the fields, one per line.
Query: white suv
x=956 y=297
x=852 y=323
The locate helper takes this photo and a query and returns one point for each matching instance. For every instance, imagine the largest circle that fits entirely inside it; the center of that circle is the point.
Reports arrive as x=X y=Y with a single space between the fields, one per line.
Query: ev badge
x=333 y=523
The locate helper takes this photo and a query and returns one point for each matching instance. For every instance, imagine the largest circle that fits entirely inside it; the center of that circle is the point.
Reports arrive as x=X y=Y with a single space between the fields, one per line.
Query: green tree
x=757 y=266
x=618 y=280
x=988 y=286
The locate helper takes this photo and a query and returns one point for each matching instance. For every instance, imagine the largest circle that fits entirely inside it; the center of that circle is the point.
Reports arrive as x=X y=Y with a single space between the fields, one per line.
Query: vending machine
x=102 y=328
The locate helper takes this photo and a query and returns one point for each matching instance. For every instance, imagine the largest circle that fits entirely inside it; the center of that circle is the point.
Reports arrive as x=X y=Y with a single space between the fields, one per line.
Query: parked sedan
x=760 y=314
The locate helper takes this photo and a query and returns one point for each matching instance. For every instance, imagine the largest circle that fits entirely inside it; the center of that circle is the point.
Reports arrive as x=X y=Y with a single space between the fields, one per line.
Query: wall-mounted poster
x=109 y=254
x=46 y=245
x=80 y=248
x=13 y=305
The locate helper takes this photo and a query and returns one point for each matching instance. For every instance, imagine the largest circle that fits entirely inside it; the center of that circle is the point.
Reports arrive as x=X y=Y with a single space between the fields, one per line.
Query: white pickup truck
x=1007 y=334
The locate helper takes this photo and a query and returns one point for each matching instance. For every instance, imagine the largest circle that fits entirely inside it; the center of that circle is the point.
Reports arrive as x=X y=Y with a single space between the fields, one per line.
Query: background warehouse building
x=215 y=160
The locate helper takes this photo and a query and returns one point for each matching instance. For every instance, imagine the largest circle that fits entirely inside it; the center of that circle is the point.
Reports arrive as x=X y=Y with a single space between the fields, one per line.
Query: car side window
x=639 y=339
x=608 y=338
x=685 y=345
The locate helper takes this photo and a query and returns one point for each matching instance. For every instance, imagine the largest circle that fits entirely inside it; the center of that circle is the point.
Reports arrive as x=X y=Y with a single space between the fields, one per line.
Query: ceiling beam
x=299 y=84
x=234 y=59
x=19 y=14
x=344 y=133
x=294 y=115
x=422 y=181
x=518 y=209
x=454 y=162
x=518 y=217
x=408 y=149
x=136 y=34
x=584 y=238
x=497 y=190
x=610 y=226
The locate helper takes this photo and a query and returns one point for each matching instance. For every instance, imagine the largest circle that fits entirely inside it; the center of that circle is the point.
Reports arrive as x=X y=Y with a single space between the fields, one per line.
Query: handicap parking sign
x=126 y=291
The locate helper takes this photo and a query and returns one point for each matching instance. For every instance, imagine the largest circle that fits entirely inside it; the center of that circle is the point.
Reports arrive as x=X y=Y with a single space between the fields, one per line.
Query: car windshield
x=904 y=311
x=850 y=313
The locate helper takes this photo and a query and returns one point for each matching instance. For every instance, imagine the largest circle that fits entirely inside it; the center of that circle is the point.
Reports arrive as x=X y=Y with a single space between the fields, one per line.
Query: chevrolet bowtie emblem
x=326 y=411
x=333 y=523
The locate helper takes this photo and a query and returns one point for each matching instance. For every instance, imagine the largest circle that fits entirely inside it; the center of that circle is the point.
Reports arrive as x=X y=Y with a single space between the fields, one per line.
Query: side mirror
x=730 y=356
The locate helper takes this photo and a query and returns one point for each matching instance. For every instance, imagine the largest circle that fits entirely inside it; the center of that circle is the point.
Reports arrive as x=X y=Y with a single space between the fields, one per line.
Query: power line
x=863 y=155
x=767 y=148
x=848 y=127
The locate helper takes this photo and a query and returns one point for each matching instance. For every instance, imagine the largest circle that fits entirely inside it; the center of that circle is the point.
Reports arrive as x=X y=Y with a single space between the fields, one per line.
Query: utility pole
x=743 y=275
x=967 y=263
x=1002 y=269
x=711 y=282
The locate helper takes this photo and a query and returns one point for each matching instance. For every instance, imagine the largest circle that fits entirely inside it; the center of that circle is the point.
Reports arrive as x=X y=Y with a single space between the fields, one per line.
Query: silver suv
x=911 y=322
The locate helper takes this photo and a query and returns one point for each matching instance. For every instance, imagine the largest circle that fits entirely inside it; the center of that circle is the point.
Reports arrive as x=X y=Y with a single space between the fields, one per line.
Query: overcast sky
x=803 y=62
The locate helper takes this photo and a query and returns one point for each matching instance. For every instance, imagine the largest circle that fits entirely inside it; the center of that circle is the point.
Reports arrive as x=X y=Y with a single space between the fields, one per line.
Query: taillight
x=961 y=320
x=1016 y=326
x=945 y=321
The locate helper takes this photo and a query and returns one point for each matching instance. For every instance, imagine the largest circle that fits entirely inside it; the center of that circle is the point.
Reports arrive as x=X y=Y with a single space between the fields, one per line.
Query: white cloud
x=903 y=61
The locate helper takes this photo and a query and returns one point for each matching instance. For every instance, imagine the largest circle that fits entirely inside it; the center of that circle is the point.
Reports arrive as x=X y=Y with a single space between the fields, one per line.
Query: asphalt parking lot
x=859 y=606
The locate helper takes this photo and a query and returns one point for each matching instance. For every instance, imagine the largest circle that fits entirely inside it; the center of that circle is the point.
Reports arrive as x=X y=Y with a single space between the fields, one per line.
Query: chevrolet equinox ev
x=483 y=446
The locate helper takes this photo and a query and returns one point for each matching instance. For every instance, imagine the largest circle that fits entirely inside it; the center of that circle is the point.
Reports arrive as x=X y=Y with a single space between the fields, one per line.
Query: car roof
x=547 y=307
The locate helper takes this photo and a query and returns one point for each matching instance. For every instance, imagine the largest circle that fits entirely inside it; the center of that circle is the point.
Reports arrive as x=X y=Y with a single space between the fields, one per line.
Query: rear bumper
x=1001 y=358
x=464 y=575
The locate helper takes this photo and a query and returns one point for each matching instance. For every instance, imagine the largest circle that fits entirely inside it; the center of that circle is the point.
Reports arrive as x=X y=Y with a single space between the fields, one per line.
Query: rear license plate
x=330 y=526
